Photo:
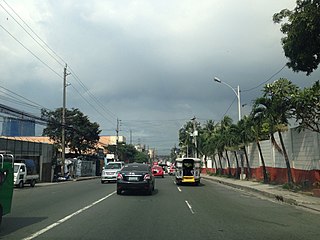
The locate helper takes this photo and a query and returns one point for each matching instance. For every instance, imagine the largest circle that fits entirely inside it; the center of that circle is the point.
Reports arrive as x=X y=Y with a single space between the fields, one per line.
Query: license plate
x=133 y=178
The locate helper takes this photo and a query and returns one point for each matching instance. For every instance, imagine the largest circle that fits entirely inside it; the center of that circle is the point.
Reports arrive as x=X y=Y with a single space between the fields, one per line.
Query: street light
x=237 y=93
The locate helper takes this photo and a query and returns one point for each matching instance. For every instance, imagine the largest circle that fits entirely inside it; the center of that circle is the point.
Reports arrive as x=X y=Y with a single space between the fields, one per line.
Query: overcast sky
x=148 y=63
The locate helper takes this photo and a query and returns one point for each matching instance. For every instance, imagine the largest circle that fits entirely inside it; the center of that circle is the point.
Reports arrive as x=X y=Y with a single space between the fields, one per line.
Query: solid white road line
x=66 y=218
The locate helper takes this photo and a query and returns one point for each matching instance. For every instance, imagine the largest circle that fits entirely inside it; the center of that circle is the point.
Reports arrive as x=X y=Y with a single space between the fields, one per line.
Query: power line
x=62 y=64
x=250 y=89
x=28 y=103
x=55 y=58
x=33 y=54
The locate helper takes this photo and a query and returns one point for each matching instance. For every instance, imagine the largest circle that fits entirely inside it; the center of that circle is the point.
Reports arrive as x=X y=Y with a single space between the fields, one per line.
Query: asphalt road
x=91 y=210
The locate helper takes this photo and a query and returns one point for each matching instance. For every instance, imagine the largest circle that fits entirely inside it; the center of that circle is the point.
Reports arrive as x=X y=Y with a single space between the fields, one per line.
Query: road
x=91 y=210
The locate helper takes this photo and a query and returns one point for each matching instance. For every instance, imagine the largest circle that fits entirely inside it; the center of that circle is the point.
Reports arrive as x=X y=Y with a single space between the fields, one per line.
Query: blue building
x=13 y=127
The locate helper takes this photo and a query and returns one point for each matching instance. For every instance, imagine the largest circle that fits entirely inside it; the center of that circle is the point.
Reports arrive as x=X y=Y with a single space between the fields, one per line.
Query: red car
x=172 y=170
x=157 y=171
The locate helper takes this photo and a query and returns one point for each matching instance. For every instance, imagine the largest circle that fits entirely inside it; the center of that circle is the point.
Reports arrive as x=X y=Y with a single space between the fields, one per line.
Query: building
x=13 y=127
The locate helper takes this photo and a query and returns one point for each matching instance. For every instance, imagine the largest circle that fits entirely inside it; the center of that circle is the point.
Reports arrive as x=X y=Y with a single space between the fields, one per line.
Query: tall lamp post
x=236 y=92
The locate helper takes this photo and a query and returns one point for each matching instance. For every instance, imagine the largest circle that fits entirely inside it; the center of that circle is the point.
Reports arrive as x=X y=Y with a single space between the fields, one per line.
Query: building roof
x=103 y=142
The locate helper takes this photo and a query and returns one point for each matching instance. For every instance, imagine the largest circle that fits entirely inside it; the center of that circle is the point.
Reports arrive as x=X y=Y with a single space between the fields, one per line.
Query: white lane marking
x=190 y=207
x=66 y=218
x=179 y=189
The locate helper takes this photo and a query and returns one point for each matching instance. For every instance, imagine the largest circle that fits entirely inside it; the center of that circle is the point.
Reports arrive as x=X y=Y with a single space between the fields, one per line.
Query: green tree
x=80 y=134
x=307 y=108
x=276 y=108
x=174 y=154
x=301 y=43
x=223 y=140
x=206 y=136
x=259 y=133
x=141 y=157
x=186 y=139
x=245 y=135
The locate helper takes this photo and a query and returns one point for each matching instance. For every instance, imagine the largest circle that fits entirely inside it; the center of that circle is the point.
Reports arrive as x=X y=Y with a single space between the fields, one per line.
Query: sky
x=149 y=64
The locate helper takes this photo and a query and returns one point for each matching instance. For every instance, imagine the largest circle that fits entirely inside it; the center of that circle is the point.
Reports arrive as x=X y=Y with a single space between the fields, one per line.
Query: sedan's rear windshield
x=113 y=166
x=139 y=167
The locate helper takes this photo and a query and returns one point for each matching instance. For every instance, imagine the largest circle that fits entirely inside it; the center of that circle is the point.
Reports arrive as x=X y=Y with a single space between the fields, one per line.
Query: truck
x=25 y=172
x=6 y=183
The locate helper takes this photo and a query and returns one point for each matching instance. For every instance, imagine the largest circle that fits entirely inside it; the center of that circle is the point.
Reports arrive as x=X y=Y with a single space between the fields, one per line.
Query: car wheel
x=21 y=185
x=33 y=183
x=102 y=181
x=163 y=176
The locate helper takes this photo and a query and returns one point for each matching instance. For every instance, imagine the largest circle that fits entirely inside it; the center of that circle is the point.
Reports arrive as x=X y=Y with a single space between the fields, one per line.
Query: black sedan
x=136 y=177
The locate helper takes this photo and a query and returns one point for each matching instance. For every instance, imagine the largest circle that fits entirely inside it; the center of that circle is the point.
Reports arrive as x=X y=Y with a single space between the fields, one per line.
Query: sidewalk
x=271 y=191
x=71 y=180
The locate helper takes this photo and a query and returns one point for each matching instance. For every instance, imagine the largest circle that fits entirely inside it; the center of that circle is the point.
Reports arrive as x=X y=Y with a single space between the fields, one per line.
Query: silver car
x=110 y=171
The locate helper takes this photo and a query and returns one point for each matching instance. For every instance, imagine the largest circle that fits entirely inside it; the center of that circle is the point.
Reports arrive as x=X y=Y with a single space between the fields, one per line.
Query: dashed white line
x=189 y=206
x=66 y=218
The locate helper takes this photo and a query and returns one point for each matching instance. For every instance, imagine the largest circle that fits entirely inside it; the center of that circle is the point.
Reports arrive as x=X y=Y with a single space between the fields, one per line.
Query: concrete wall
x=303 y=149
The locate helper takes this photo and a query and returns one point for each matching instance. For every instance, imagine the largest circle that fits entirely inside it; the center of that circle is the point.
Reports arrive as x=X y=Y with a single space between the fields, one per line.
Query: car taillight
x=119 y=176
x=147 y=177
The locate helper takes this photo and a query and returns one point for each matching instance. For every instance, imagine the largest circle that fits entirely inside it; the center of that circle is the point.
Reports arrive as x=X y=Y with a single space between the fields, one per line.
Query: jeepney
x=6 y=183
x=187 y=170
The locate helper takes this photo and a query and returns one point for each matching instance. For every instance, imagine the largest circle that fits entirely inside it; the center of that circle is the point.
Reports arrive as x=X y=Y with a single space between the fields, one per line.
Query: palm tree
x=205 y=144
x=245 y=135
x=223 y=142
x=276 y=108
x=233 y=143
x=259 y=134
x=185 y=140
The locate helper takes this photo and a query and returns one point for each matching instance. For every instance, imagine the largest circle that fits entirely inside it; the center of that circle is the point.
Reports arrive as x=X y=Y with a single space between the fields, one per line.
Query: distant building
x=103 y=143
x=13 y=127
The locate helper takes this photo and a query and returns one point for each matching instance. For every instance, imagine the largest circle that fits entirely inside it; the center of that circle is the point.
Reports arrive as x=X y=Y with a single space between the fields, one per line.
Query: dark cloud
x=149 y=63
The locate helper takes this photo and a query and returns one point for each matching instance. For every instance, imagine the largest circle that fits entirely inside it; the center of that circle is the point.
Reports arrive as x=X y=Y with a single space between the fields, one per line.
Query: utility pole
x=195 y=134
x=130 y=137
x=117 y=139
x=63 y=120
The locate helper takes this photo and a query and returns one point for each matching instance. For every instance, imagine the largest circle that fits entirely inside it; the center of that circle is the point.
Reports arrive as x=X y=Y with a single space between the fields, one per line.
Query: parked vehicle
x=6 y=183
x=110 y=171
x=157 y=171
x=136 y=177
x=172 y=170
x=187 y=170
x=25 y=173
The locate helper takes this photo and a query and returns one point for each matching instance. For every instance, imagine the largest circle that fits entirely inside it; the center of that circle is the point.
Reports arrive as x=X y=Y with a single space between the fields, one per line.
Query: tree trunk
x=247 y=162
x=205 y=162
x=220 y=170
x=215 y=163
x=237 y=162
x=286 y=158
x=229 y=166
x=275 y=144
x=265 y=175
